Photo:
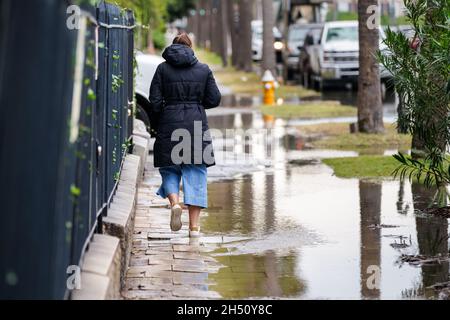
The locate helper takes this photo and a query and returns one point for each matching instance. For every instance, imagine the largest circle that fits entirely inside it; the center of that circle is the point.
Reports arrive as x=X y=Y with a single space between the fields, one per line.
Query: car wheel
x=317 y=84
x=142 y=115
x=289 y=74
x=301 y=77
x=306 y=80
x=383 y=91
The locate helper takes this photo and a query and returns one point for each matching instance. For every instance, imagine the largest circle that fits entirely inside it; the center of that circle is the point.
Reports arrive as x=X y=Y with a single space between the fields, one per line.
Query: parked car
x=257 y=41
x=303 y=62
x=335 y=56
x=146 y=65
x=295 y=40
x=407 y=30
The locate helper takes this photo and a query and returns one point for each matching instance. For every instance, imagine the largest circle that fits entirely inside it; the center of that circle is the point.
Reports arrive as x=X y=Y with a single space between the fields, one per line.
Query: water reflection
x=265 y=275
x=315 y=235
x=243 y=206
x=308 y=227
x=231 y=100
x=345 y=97
x=245 y=128
x=349 y=97
x=370 y=207
x=402 y=205
x=432 y=237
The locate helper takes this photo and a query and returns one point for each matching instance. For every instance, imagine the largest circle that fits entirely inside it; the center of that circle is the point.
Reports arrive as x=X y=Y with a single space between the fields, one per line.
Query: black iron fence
x=66 y=93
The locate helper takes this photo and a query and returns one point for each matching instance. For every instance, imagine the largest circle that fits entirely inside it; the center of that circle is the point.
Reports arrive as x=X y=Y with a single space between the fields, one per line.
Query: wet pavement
x=327 y=234
x=293 y=233
x=170 y=265
x=243 y=104
x=277 y=228
x=319 y=237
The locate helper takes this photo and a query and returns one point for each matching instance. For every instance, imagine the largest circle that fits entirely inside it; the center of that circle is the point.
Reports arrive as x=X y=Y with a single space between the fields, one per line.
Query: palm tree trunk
x=268 y=58
x=370 y=108
x=196 y=24
x=233 y=27
x=224 y=29
x=208 y=26
x=215 y=27
x=201 y=36
x=245 y=33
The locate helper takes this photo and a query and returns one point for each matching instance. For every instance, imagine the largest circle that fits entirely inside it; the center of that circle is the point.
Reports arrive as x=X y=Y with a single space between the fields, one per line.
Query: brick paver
x=165 y=264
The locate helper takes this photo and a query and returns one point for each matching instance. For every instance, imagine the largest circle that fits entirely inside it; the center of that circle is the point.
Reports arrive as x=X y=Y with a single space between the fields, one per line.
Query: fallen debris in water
x=439 y=212
x=396 y=236
x=382 y=226
x=304 y=162
x=402 y=244
x=422 y=259
x=440 y=285
x=443 y=289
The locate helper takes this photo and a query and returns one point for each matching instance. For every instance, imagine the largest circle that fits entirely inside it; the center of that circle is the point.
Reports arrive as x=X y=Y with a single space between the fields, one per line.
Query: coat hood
x=180 y=56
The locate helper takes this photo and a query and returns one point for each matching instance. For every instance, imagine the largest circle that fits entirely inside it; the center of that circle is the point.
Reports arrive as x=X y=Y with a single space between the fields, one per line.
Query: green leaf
x=91 y=95
x=75 y=191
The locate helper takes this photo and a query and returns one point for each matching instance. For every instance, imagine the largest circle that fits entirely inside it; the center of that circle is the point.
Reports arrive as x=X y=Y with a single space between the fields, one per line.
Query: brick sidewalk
x=166 y=265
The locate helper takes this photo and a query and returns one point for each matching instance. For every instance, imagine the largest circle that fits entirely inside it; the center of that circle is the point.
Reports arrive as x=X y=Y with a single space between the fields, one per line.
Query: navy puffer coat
x=181 y=90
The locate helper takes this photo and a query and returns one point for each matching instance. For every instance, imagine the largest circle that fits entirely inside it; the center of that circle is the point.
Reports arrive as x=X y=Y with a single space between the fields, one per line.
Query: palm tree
x=223 y=30
x=233 y=26
x=370 y=108
x=268 y=58
x=245 y=35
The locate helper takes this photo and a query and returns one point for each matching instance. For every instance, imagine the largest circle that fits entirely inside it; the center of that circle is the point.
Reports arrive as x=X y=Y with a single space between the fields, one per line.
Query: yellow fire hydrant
x=269 y=88
x=269 y=95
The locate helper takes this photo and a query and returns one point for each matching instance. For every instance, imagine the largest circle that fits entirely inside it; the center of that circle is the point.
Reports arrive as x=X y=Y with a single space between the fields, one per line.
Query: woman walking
x=181 y=90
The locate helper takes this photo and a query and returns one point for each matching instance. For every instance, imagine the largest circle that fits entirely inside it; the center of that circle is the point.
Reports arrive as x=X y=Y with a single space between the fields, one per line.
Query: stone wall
x=107 y=258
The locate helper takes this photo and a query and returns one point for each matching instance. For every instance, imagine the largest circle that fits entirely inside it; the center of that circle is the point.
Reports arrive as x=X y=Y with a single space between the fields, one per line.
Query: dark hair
x=183 y=39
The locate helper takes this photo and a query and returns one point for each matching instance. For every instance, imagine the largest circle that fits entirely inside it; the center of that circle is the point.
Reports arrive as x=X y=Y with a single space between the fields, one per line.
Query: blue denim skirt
x=194 y=179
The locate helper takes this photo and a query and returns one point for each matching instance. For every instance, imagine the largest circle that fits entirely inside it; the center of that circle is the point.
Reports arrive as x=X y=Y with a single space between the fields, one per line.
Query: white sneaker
x=175 y=218
x=194 y=232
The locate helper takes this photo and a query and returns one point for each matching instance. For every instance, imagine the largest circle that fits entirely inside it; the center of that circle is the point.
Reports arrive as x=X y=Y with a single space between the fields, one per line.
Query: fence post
x=36 y=160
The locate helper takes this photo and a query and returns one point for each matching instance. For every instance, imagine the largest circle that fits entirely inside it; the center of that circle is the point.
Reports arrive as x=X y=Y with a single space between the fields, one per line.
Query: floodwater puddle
x=316 y=236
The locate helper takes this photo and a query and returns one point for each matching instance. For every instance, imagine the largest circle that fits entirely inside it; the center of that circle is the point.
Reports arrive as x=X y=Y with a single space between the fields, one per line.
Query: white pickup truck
x=336 y=55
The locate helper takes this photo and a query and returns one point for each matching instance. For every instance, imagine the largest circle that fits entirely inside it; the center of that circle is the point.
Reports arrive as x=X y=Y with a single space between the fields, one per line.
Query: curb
x=105 y=262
